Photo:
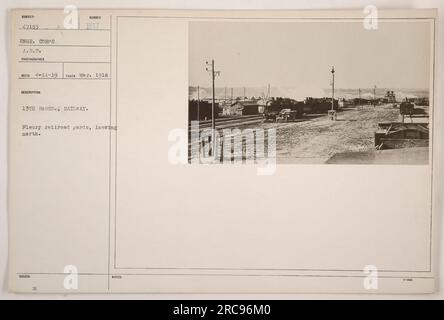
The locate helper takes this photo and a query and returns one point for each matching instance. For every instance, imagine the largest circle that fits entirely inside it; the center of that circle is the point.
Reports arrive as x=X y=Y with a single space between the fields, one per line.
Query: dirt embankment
x=318 y=139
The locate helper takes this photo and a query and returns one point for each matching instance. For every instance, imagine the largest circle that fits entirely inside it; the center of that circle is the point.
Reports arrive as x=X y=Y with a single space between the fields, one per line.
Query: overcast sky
x=300 y=54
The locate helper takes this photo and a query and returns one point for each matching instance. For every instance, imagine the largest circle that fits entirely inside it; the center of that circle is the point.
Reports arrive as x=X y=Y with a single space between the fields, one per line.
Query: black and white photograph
x=332 y=91
x=225 y=153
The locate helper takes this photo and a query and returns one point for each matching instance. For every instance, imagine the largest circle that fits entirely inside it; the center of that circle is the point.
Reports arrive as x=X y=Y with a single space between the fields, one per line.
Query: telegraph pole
x=374 y=96
x=198 y=104
x=210 y=68
x=333 y=88
x=359 y=93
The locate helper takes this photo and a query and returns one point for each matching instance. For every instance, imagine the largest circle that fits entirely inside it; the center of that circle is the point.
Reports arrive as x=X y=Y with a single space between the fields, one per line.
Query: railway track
x=223 y=123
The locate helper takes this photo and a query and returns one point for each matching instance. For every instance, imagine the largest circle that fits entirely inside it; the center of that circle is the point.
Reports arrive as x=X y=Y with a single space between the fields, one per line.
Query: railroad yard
x=315 y=138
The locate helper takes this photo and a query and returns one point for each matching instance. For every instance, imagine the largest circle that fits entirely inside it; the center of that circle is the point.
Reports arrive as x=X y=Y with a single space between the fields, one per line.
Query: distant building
x=241 y=108
x=262 y=104
x=389 y=97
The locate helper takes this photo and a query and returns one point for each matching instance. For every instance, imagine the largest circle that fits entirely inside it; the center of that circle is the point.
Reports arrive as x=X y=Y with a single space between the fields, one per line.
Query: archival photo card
x=190 y=151
x=320 y=92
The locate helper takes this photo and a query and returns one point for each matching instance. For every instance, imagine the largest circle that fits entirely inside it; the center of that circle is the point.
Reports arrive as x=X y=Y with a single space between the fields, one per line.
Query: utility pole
x=374 y=96
x=245 y=95
x=198 y=104
x=359 y=93
x=333 y=88
x=210 y=68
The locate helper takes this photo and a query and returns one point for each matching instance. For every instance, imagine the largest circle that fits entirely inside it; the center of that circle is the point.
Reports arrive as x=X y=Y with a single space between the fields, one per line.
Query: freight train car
x=319 y=105
x=406 y=108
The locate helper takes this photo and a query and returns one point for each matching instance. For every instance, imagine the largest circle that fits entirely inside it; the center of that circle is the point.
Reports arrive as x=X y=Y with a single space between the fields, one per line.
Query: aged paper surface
x=317 y=177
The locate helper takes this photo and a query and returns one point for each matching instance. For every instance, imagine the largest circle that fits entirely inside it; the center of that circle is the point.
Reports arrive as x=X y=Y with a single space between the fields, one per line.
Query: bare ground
x=316 y=140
